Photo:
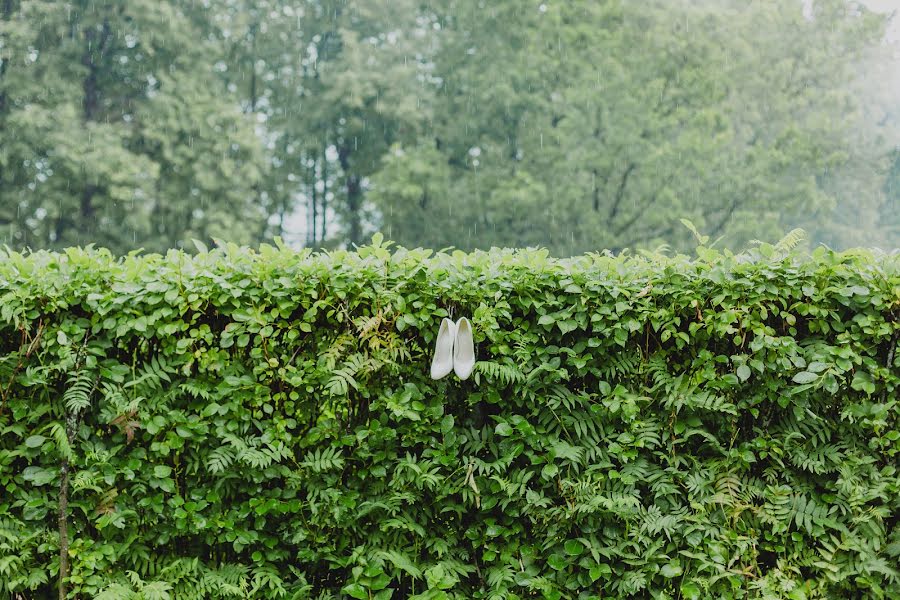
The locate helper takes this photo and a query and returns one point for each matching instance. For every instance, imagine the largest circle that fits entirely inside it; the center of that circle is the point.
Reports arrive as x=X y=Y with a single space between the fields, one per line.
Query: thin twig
x=32 y=346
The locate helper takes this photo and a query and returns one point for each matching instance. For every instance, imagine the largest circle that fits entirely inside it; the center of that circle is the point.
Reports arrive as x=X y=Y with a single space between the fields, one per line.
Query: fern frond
x=324 y=459
x=506 y=374
x=77 y=396
x=790 y=241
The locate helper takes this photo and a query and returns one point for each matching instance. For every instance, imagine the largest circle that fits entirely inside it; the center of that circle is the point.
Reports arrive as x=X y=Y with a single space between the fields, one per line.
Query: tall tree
x=333 y=85
x=890 y=210
x=573 y=125
x=597 y=125
x=112 y=133
x=368 y=89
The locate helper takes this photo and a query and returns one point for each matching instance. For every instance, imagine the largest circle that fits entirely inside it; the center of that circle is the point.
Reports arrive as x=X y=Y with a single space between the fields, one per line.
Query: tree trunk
x=620 y=192
x=71 y=418
x=7 y=15
x=87 y=209
x=63 y=528
x=91 y=102
x=253 y=29
x=95 y=47
x=354 y=204
x=313 y=221
x=322 y=235
x=354 y=197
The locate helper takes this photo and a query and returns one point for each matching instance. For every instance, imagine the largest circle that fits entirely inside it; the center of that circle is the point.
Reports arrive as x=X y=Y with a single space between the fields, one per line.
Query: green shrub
x=262 y=424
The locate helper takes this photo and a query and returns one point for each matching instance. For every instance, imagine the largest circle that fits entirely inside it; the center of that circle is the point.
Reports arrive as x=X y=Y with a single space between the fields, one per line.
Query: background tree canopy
x=572 y=125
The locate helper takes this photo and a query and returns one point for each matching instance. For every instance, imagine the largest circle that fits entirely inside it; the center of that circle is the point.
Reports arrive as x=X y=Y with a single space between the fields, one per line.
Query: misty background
x=578 y=126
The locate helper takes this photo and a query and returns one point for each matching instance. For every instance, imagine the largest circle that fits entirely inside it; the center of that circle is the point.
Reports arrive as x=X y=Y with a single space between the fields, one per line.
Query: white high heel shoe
x=442 y=363
x=464 y=351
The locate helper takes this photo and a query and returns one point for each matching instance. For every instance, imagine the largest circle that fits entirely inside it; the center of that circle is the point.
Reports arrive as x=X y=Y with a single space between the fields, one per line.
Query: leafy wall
x=261 y=424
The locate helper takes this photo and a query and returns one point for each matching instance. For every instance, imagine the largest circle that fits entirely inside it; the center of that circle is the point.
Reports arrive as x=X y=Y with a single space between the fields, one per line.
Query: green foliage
x=116 y=131
x=589 y=125
x=571 y=125
x=262 y=424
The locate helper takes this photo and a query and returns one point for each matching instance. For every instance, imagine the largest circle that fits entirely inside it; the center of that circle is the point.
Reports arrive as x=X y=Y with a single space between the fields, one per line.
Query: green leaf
x=557 y=561
x=805 y=377
x=162 y=471
x=671 y=570
x=438 y=578
x=690 y=590
x=862 y=382
x=39 y=475
x=566 y=326
x=447 y=424
x=574 y=547
x=743 y=372
x=598 y=571
x=503 y=429
x=355 y=590
x=35 y=441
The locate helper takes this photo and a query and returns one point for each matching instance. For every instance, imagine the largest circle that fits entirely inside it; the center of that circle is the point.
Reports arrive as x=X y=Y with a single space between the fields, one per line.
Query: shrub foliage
x=261 y=424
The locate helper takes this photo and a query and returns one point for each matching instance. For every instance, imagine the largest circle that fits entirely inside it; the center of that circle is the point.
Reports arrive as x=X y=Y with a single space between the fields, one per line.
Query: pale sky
x=883 y=6
x=887 y=6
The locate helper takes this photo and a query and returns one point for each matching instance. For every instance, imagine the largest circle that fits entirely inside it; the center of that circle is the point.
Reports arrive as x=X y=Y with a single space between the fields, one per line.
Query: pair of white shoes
x=454 y=350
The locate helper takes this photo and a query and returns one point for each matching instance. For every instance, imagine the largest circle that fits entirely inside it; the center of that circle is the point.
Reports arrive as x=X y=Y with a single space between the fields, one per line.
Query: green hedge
x=261 y=424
